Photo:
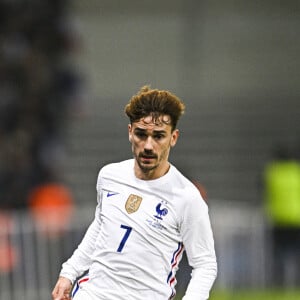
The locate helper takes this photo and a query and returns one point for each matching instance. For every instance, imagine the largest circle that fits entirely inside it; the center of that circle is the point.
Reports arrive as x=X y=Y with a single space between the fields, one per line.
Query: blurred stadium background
x=68 y=68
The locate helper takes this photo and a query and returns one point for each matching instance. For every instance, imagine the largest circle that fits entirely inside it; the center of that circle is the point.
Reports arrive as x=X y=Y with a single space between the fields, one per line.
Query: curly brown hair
x=156 y=103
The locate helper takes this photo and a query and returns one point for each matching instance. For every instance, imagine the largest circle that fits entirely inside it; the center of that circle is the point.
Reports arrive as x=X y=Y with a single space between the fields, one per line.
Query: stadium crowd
x=38 y=87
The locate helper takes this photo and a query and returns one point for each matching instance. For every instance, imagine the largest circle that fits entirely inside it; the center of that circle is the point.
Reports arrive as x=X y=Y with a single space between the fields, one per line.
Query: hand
x=62 y=289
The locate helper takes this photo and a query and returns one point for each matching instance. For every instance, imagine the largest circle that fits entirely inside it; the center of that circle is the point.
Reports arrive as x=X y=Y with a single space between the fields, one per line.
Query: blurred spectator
x=51 y=206
x=282 y=203
x=37 y=89
x=9 y=255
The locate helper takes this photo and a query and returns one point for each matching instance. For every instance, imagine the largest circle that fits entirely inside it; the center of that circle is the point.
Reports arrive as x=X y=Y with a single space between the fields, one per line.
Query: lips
x=147 y=158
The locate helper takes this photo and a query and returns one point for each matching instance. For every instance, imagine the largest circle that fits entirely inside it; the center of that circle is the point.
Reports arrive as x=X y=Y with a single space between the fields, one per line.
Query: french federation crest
x=160 y=212
x=133 y=203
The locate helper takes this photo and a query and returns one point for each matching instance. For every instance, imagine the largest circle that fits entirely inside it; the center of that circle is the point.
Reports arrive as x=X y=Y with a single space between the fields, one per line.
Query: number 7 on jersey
x=125 y=237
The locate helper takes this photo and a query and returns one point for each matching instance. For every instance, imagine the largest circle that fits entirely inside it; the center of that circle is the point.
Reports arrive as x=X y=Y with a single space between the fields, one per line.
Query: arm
x=81 y=259
x=199 y=244
x=79 y=262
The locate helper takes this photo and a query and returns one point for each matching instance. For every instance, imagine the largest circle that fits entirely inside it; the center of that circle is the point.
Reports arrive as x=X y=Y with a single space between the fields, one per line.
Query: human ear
x=174 y=138
x=130 y=132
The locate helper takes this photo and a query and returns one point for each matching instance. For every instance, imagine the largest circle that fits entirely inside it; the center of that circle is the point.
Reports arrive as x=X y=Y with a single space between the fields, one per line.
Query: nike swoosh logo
x=109 y=194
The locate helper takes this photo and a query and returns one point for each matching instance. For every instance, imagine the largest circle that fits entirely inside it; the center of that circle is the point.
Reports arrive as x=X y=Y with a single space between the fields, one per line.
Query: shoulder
x=117 y=167
x=115 y=171
x=192 y=208
x=187 y=189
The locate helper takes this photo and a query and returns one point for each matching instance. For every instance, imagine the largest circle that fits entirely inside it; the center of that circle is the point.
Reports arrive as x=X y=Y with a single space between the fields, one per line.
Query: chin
x=147 y=167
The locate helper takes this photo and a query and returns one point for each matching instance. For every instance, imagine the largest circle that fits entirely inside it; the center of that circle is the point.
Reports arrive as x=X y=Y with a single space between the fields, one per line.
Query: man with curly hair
x=147 y=214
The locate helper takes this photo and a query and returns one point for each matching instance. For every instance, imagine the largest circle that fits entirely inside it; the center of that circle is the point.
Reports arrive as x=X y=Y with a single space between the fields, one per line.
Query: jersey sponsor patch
x=133 y=203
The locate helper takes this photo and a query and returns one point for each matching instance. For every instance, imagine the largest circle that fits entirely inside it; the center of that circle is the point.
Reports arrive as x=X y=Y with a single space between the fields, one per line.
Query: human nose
x=149 y=144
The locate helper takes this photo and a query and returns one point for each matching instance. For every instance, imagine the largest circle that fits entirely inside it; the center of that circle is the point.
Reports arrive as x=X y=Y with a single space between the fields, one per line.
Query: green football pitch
x=253 y=295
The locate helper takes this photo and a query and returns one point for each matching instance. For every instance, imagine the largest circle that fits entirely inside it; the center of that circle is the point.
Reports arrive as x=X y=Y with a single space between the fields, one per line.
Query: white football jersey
x=136 y=241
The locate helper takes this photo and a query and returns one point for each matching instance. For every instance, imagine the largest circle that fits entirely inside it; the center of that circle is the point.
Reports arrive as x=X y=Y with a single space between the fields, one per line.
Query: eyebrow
x=137 y=129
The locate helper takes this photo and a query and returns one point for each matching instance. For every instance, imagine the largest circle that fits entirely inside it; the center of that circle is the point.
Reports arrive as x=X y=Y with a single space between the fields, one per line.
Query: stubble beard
x=146 y=168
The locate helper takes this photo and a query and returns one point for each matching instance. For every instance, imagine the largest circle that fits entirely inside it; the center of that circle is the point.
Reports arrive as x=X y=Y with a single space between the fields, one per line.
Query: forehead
x=162 y=122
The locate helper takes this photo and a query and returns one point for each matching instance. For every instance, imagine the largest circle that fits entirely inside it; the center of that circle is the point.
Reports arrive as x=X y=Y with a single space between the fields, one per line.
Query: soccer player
x=147 y=214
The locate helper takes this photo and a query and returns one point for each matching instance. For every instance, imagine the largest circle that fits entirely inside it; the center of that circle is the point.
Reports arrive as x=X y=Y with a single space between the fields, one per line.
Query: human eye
x=140 y=134
x=159 y=136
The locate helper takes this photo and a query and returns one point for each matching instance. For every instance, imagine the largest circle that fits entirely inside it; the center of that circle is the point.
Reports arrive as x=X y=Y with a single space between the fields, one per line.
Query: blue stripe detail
x=172 y=260
x=75 y=290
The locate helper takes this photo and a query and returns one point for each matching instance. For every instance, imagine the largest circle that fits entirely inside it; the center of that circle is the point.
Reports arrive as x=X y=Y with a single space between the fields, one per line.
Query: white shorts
x=83 y=294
